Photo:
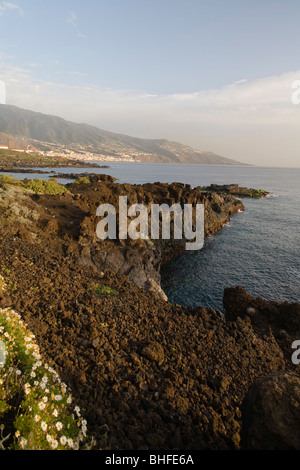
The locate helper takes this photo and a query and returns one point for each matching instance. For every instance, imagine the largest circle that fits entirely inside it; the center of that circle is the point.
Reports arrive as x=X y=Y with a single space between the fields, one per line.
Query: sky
x=222 y=76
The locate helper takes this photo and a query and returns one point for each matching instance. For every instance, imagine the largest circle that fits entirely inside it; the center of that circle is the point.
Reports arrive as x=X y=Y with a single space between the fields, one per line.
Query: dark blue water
x=259 y=249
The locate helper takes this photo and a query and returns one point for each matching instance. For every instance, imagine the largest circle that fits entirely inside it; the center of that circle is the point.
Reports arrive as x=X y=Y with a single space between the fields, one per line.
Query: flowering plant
x=45 y=417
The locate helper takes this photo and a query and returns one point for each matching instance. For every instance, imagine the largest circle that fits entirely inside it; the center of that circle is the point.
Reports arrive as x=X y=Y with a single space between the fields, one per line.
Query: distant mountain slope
x=45 y=131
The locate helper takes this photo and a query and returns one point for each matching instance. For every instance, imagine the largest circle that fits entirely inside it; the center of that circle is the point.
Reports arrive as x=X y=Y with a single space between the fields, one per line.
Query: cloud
x=78 y=74
x=35 y=65
x=82 y=36
x=240 y=81
x=6 y=6
x=72 y=19
x=254 y=123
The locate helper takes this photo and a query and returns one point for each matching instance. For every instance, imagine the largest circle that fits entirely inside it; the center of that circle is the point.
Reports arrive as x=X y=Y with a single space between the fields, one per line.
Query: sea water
x=259 y=249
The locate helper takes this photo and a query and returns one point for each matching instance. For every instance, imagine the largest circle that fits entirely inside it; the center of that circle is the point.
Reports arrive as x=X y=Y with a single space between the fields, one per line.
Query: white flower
x=44 y=426
x=54 y=444
x=70 y=442
x=42 y=405
x=23 y=442
x=59 y=425
x=63 y=440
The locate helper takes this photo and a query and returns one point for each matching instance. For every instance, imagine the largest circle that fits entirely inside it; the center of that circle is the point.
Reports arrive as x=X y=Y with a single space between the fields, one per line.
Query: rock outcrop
x=270 y=410
x=236 y=190
x=140 y=260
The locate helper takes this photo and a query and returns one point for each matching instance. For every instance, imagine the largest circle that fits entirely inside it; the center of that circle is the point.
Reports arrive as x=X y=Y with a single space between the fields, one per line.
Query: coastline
x=158 y=376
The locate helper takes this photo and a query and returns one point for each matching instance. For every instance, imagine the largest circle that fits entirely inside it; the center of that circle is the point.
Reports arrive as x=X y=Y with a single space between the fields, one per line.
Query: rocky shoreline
x=141 y=260
x=235 y=190
x=147 y=373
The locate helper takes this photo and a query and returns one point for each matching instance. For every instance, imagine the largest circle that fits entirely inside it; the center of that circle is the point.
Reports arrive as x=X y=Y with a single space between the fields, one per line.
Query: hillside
x=45 y=132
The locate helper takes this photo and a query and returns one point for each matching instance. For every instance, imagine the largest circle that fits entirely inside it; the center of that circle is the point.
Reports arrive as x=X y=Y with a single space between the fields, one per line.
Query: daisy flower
x=59 y=425
x=54 y=444
x=44 y=426
x=63 y=440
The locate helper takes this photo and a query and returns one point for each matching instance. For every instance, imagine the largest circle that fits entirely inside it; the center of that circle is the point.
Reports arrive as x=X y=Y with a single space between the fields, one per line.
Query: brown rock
x=271 y=413
x=155 y=352
x=52 y=226
x=25 y=235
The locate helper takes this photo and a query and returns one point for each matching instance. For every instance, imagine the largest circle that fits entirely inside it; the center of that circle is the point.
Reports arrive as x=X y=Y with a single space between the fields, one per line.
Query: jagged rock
x=236 y=302
x=262 y=313
x=141 y=260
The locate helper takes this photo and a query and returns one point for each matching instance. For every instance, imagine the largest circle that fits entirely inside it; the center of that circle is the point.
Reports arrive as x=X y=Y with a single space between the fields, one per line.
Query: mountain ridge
x=47 y=132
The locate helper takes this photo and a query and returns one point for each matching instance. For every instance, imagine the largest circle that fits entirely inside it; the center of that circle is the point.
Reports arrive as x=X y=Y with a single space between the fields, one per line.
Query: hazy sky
x=213 y=74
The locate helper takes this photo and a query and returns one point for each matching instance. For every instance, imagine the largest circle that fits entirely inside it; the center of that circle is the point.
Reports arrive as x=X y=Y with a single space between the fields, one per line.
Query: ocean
x=259 y=249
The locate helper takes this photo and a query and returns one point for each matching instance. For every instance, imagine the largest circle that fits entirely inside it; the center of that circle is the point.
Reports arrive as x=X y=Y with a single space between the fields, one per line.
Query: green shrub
x=8 y=179
x=82 y=180
x=40 y=186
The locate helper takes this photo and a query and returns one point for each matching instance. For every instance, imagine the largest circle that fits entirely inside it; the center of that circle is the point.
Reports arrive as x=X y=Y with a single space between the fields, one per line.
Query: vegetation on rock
x=35 y=405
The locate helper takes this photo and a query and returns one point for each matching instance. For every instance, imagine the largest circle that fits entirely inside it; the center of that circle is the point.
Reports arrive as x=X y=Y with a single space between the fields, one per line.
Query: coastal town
x=73 y=152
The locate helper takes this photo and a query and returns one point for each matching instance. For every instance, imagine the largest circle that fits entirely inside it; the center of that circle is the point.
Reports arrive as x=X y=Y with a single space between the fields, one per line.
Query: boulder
x=271 y=413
